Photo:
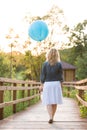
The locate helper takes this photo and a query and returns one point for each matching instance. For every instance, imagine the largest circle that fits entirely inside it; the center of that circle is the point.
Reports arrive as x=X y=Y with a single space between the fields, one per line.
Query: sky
x=13 y=11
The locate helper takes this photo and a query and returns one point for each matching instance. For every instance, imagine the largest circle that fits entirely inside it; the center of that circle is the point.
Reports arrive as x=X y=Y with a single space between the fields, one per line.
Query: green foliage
x=74 y=58
x=81 y=63
x=72 y=92
x=8 y=96
x=4 y=65
x=33 y=66
x=68 y=55
x=24 y=66
x=83 y=111
x=8 y=111
x=77 y=55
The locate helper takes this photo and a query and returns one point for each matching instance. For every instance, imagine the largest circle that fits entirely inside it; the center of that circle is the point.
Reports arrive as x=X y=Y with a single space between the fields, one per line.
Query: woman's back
x=51 y=72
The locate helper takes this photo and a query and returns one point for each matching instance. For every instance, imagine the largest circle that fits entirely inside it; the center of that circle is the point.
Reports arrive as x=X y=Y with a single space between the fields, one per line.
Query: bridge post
x=1 y=101
x=23 y=91
x=81 y=94
x=14 y=98
x=28 y=95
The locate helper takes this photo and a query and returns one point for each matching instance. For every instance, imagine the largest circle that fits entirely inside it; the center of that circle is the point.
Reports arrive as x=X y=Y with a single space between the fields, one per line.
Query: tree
x=13 y=43
x=33 y=65
x=4 y=65
x=78 y=38
x=56 y=21
x=82 y=64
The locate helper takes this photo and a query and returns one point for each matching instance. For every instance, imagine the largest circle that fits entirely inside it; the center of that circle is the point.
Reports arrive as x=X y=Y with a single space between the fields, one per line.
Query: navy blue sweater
x=51 y=72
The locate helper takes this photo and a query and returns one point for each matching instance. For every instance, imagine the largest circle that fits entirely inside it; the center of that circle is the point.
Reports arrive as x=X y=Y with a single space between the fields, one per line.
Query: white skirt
x=52 y=93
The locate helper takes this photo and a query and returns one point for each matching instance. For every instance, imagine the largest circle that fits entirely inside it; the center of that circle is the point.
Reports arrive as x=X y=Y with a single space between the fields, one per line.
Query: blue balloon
x=38 y=30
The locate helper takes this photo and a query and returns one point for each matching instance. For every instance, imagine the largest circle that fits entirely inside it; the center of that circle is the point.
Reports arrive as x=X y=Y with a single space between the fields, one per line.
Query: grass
x=20 y=106
x=72 y=92
x=8 y=110
x=83 y=109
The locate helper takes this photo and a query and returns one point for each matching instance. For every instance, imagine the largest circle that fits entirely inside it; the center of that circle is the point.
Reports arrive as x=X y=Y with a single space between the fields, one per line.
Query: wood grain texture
x=36 y=117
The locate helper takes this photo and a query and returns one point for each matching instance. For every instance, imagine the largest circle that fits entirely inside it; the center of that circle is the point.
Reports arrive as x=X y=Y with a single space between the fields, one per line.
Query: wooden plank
x=45 y=126
x=84 y=103
x=82 y=81
x=8 y=80
x=36 y=118
x=81 y=87
x=17 y=101
x=14 y=97
x=17 y=88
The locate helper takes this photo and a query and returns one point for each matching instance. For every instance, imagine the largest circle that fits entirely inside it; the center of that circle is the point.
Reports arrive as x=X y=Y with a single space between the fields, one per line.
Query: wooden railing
x=31 y=88
x=81 y=87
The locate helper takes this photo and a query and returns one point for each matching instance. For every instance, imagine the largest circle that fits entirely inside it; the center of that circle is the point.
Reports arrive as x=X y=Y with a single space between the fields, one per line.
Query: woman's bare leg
x=54 y=108
x=50 y=111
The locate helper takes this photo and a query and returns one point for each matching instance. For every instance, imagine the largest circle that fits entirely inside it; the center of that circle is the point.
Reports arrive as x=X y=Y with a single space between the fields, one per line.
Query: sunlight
x=12 y=13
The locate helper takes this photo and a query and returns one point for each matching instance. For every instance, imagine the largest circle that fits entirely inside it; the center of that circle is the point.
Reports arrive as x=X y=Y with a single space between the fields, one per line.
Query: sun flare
x=12 y=13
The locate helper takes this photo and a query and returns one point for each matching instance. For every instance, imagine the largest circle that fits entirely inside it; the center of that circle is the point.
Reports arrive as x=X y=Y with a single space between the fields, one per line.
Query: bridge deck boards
x=36 y=117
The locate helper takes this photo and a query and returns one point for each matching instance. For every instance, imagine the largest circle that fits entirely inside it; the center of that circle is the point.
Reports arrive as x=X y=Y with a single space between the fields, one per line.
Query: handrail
x=81 y=87
x=32 y=89
x=8 y=80
x=29 y=90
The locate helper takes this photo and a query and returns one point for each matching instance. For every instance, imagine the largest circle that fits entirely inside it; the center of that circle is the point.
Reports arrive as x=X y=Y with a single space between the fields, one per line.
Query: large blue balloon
x=38 y=30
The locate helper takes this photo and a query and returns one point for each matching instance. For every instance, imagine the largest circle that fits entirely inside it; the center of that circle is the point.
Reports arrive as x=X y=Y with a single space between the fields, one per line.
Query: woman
x=51 y=79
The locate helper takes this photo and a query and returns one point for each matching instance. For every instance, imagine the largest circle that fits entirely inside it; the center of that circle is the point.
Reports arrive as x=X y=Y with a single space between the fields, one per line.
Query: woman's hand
x=41 y=88
x=61 y=84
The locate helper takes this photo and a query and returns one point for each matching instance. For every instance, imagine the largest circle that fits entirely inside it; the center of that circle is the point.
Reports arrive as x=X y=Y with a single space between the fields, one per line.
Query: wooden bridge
x=35 y=117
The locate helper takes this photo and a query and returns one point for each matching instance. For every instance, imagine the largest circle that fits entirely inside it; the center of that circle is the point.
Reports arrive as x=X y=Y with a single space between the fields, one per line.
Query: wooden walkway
x=36 y=118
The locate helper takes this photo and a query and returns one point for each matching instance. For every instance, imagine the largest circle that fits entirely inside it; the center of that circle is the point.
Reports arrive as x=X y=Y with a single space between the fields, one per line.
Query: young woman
x=51 y=78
